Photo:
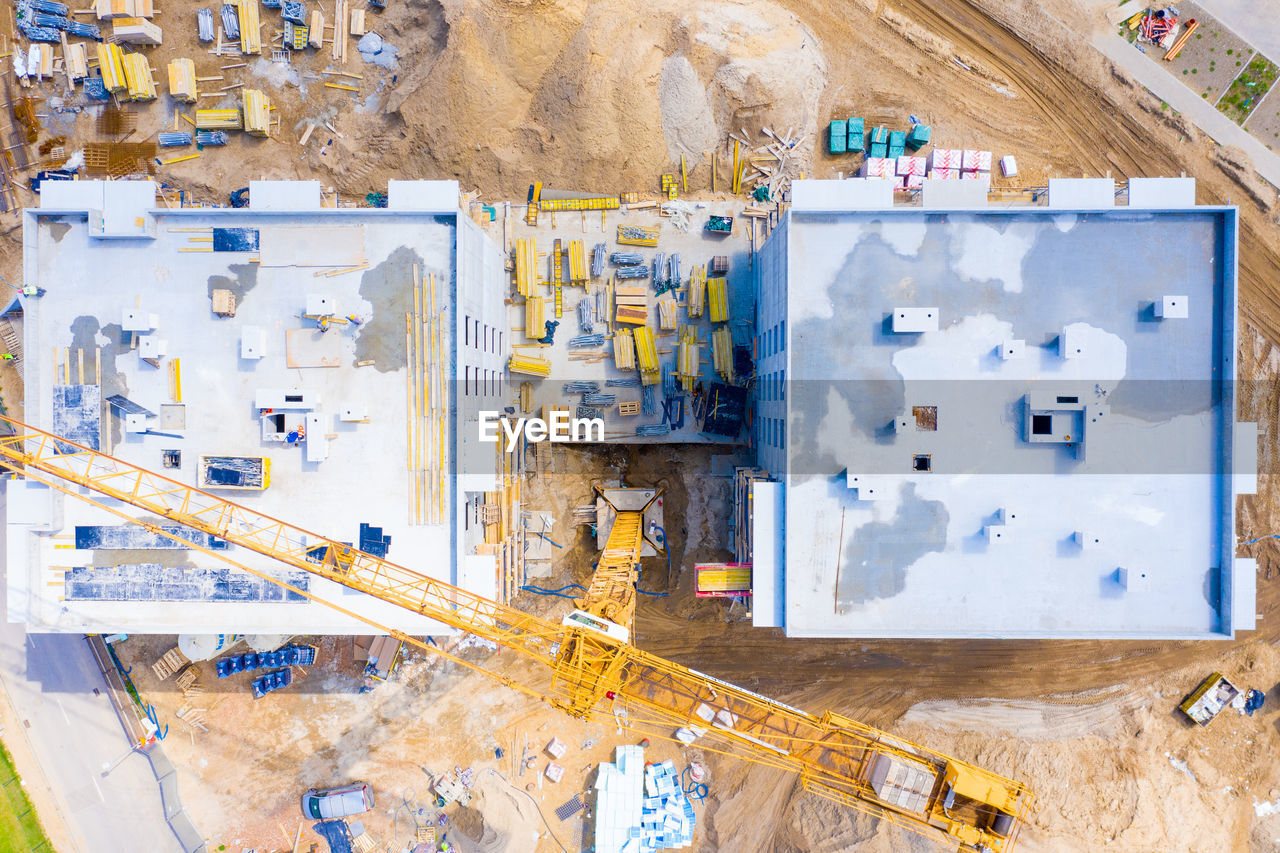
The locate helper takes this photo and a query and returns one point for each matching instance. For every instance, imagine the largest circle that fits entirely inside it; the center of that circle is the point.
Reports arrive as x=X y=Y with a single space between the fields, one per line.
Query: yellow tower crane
x=593 y=674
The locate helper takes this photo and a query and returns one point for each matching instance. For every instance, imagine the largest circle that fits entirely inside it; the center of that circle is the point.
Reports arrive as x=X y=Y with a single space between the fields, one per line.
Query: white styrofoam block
x=1013 y=349
x=904 y=424
x=1007 y=515
x=137 y=320
x=152 y=346
x=1162 y=193
x=1082 y=193
x=253 y=342
x=321 y=306
x=284 y=195
x=353 y=412
x=868 y=488
x=135 y=423
x=1008 y=165
x=915 y=320
x=424 y=196
x=833 y=195
x=1172 y=307
x=996 y=534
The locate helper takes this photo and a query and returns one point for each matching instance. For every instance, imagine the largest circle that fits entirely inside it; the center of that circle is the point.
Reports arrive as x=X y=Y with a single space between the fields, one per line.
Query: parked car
x=331 y=803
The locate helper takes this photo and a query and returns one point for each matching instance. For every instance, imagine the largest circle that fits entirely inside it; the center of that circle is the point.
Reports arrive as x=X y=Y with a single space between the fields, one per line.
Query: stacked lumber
x=139 y=82
x=696 y=299
x=111 y=63
x=135 y=31
x=182 y=81
x=533 y=365
x=218 y=120
x=647 y=356
x=76 y=60
x=257 y=111
x=632 y=303
x=315 y=32
x=722 y=352
x=667 y=311
x=40 y=61
x=624 y=350
x=357 y=22
x=110 y=10
x=526 y=267
x=340 y=31
x=718 y=300
x=688 y=353
x=250 y=34
x=743 y=481
x=535 y=314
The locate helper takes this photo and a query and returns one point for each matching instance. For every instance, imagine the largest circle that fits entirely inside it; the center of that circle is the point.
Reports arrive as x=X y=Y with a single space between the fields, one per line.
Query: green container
x=878 y=149
x=880 y=135
x=898 y=139
x=896 y=151
x=919 y=136
x=856 y=134
x=839 y=135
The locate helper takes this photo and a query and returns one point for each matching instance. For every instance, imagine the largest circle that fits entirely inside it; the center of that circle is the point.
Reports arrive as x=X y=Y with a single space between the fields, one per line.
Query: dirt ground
x=587 y=95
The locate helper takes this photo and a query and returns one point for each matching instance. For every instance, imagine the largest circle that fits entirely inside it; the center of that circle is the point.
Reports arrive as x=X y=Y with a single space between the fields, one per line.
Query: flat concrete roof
x=57 y=581
x=1047 y=456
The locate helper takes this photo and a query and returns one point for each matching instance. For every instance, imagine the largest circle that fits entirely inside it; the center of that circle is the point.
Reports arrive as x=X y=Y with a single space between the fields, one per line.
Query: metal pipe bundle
x=623 y=259
x=659 y=271
x=599 y=399
x=673 y=269
x=594 y=340
x=174 y=138
x=204 y=24
x=51 y=7
x=653 y=429
x=211 y=137
x=88 y=31
x=648 y=403
x=641 y=271
x=579 y=386
x=629 y=382
x=587 y=412
x=230 y=22
x=587 y=315
x=598 y=255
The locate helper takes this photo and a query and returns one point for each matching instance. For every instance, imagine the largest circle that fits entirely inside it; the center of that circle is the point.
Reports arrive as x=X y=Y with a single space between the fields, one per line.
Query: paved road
x=1255 y=21
x=75 y=736
x=1201 y=113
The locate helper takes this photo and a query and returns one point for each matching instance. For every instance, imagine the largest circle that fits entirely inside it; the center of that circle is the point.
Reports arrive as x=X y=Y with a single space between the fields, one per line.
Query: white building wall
x=769 y=427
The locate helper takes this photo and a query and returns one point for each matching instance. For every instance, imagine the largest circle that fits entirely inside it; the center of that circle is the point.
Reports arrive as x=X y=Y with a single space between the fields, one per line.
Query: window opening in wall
x=922 y=462
x=1041 y=424
x=172 y=458
x=466 y=330
x=926 y=418
x=477 y=331
x=1068 y=399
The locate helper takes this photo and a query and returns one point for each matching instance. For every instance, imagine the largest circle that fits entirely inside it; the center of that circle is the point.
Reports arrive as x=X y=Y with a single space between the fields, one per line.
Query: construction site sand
x=497 y=94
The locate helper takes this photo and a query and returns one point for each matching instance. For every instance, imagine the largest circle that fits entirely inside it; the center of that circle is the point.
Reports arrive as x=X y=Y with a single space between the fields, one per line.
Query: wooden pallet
x=169 y=663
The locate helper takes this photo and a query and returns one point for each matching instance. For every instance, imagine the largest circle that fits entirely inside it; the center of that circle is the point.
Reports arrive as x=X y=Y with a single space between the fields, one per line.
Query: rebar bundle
x=648 y=403
x=230 y=22
x=630 y=382
x=599 y=399
x=598 y=254
x=204 y=24
x=593 y=340
x=587 y=316
x=641 y=271
x=623 y=259
x=174 y=138
x=211 y=137
x=579 y=386
x=653 y=429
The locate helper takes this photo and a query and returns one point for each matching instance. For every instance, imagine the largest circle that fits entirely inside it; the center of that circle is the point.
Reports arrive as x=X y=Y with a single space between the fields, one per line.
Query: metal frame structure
x=593 y=676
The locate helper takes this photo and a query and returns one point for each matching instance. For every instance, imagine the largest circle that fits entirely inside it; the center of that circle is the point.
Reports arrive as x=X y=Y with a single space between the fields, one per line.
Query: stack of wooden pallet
x=743 y=480
x=135 y=31
x=139 y=82
x=111 y=63
x=257 y=110
x=182 y=81
x=315 y=30
x=169 y=663
x=250 y=34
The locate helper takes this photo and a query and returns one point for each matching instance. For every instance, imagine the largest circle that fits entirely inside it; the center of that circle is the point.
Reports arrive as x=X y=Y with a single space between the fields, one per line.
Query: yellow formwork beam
x=718 y=300
x=624 y=350
x=139 y=82
x=696 y=298
x=535 y=317
x=647 y=355
x=111 y=63
x=533 y=365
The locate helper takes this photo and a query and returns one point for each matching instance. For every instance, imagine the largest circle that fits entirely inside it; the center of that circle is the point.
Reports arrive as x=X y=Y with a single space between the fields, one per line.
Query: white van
x=346 y=801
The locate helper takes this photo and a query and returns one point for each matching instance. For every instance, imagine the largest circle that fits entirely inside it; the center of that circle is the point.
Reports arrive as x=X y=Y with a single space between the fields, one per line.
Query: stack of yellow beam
x=137 y=77
x=718 y=300
x=577 y=262
x=218 y=120
x=76 y=60
x=250 y=35
x=624 y=350
x=667 y=310
x=111 y=62
x=109 y=10
x=697 y=296
x=182 y=81
x=647 y=356
x=722 y=352
x=535 y=314
x=257 y=110
x=533 y=365
x=526 y=267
